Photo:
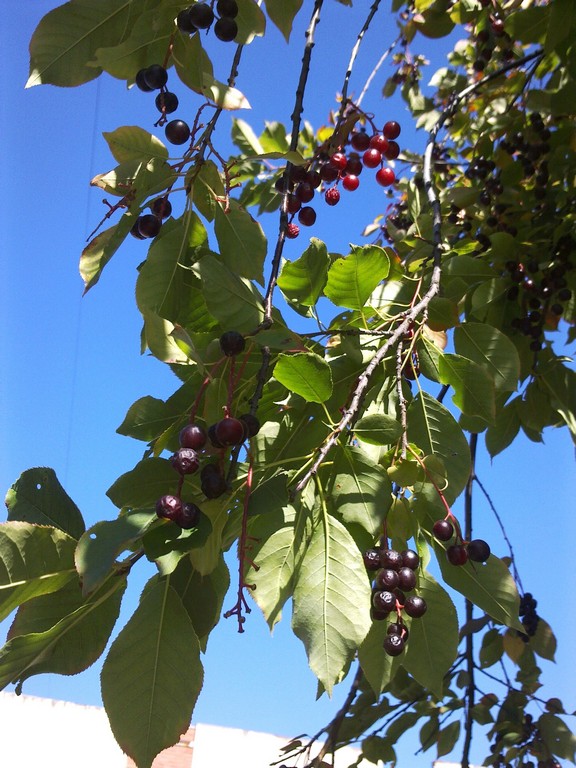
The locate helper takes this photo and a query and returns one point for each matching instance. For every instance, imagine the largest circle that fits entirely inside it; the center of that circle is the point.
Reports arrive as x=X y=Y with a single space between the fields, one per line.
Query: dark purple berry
x=212 y=481
x=227 y=8
x=307 y=216
x=393 y=645
x=406 y=579
x=478 y=550
x=397 y=628
x=166 y=102
x=232 y=343
x=229 y=431
x=443 y=530
x=372 y=559
x=193 y=436
x=390 y=558
x=201 y=15
x=457 y=554
x=415 y=606
x=155 y=76
x=386 y=578
x=410 y=559
x=161 y=207
x=149 y=225
x=383 y=600
x=251 y=424
x=141 y=82
x=226 y=29
x=168 y=506
x=188 y=516
x=185 y=461
x=184 y=22
x=177 y=132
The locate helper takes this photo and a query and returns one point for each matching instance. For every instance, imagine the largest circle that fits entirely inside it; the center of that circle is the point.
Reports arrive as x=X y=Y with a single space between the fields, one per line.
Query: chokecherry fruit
x=371 y=559
x=193 y=436
x=390 y=558
x=391 y=129
x=307 y=216
x=328 y=173
x=149 y=225
x=338 y=160
x=227 y=8
x=135 y=233
x=410 y=559
x=393 y=151
x=386 y=578
x=166 y=102
x=155 y=77
x=292 y=230
x=332 y=196
x=232 y=343
x=393 y=645
x=293 y=204
x=372 y=158
x=184 y=22
x=397 y=628
x=360 y=141
x=350 y=182
x=478 y=550
x=457 y=554
x=384 y=600
x=226 y=29
x=304 y=192
x=385 y=177
x=177 y=132
x=140 y=81
x=415 y=606
x=406 y=579
x=161 y=207
x=212 y=437
x=251 y=424
x=379 y=142
x=201 y=15
x=354 y=166
x=443 y=530
x=188 y=516
x=168 y=506
x=212 y=481
x=229 y=431
x=185 y=461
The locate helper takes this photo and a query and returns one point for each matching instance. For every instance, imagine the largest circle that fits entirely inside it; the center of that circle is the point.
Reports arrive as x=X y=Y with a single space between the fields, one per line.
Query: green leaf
x=34 y=561
x=501 y=434
x=561 y=24
x=442 y=314
x=143 y=485
x=557 y=736
x=232 y=300
x=491 y=349
x=146 y=419
x=282 y=13
x=242 y=242
x=206 y=187
x=491 y=649
x=224 y=96
x=62 y=632
x=360 y=489
x=330 y=621
x=433 y=428
x=152 y=676
x=100 y=250
x=473 y=387
x=37 y=497
x=168 y=544
x=302 y=281
x=488 y=585
x=433 y=644
x=377 y=429
x=206 y=558
x=134 y=143
x=447 y=738
x=560 y=382
x=543 y=642
x=104 y=542
x=352 y=278
x=250 y=20
x=528 y=25
x=67 y=38
x=191 y=61
x=305 y=373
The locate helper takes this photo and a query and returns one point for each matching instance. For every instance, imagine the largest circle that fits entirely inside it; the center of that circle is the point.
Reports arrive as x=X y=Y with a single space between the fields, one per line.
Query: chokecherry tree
x=329 y=408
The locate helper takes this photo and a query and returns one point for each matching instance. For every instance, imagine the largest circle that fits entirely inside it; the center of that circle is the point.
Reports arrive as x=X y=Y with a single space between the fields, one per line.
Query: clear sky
x=71 y=366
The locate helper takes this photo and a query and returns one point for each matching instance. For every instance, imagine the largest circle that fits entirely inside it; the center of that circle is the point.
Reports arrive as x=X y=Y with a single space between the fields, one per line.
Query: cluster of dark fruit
x=201 y=16
x=394 y=575
x=460 y=552
x=529 y=616
x=397 y=222
x=193 y=439
x=326 y=172
x=528 y=741
x=492 y=39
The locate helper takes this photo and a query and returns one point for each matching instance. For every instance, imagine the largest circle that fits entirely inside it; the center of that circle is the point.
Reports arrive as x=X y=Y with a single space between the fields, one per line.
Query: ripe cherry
x=332 y=196
x=350 y=182
x=212 y=481
x=155 y=77
x=185 y=461
x=379 y=142
x=188 y=516
x=304 y=192
x=227 y=8
x=184 y=22
x=390 y=558
x=457 y=554
x=149 y=225
x=232 y=343
x=393 y=645
x=251 y=424
x=478 y=550
x=371 y=559
x=328 y=173
x=226 y=29
x=407 y=579
x=392 y=129
x=161 y=207
x=385 y=177
x=354 y=165
x=384 y=600
x=293 y=204
x=307 y=216
x=443 y=530
x=168 y=506
x=386 y=578
x=338 y=161
x=410 y=559
x=193 y=436
x=140 y=81
x=166 y=102
x=415 y=606
x=230 y=431
x=177 y=132
x=393 y=151
x=201 y=15
x=372 y=158
x=360 y=141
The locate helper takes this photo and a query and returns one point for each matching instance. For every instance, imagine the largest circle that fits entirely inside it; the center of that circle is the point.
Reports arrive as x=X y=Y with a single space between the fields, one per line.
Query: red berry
x=293 y=204
x=354 y=165
x=457 y=554
x=360 y=141
x=372 y=158
x=168 y=506
x=161 y=207
x=230 y=431
x=304 y=192
x=350 y=182
x=332 y=196
x=379 y=142
x=193 y=436
x=292 y=230
x=393 y=151
x=185 y=461
x=385 y=177
x=392 y=129
x=328 y=173
x=307 y=216
x=338 y=161
x=443 y=530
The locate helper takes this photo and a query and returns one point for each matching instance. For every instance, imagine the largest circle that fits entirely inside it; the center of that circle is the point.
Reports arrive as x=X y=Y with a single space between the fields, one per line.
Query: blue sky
x=71 y=366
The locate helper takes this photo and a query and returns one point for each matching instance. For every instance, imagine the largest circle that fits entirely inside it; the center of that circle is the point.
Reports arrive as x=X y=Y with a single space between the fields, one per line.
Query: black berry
x=229 y=431
x=443 y=530
x=232 y=343
x=193 y=436
x=457 y=554
x=201 y=15
x=188 y=516
x=155 y=77
x=478 y=550
x=166 y=102
x=161 y=207
x=226 y=29
x=177 y=132
x=149 y=225
x=372 y=559
x=227 y=8
x=251 y=424
x=168 y=506
x=185 y=461
x=393 y=645
x=415 y=606
x=212 y=481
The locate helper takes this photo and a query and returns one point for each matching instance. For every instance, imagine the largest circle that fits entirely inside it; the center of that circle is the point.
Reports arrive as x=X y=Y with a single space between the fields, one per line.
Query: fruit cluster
x=394 y=575
x=201 y=16
x=329 y=170
x=461 y=551
x=529 y=616
x=194 y=438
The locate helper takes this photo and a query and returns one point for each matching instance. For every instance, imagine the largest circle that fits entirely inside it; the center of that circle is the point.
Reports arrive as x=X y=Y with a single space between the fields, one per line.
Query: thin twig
x=469 y=641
